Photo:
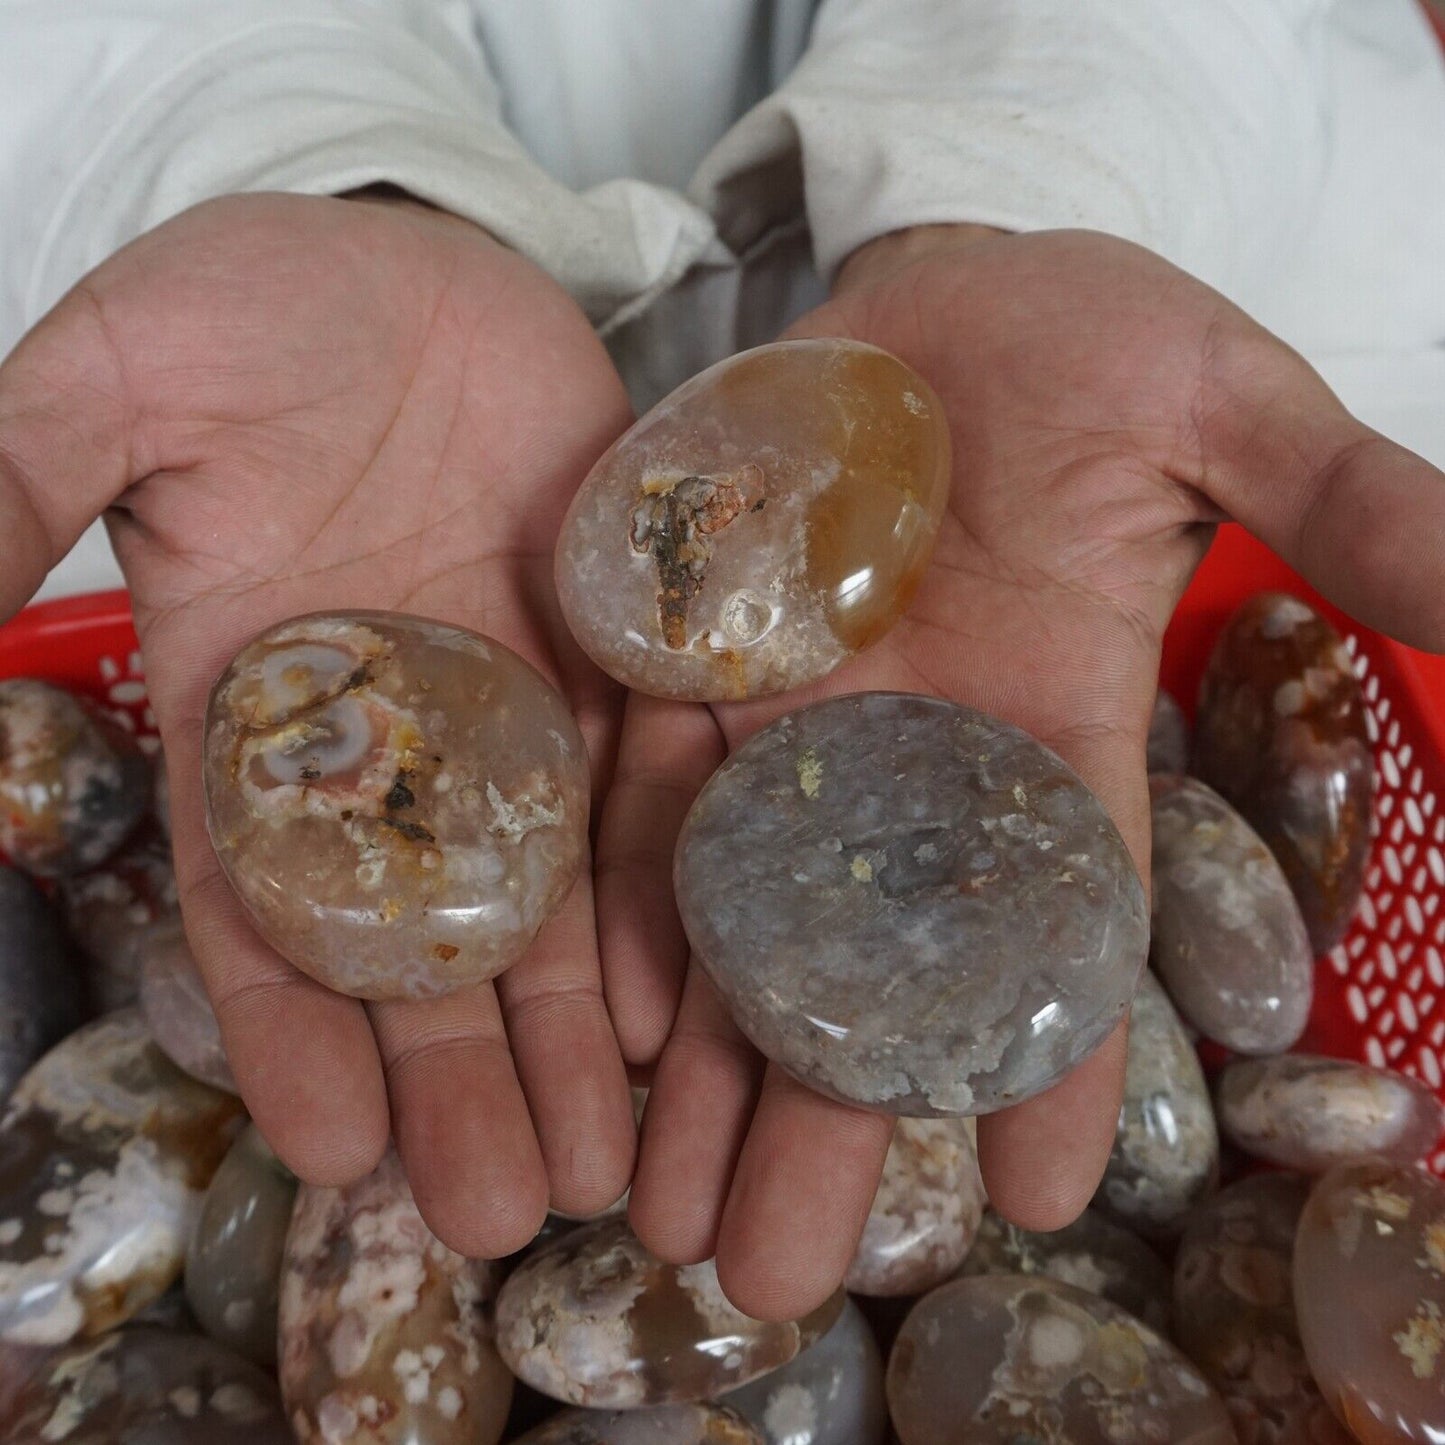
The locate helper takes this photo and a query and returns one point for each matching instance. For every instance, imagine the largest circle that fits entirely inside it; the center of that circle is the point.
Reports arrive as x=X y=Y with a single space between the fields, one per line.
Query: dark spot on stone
x=413 y=831
x=400 y=795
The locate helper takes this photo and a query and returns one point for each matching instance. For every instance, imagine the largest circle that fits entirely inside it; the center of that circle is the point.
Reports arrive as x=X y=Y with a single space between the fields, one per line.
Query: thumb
x=67 y=441
x=1360 y=518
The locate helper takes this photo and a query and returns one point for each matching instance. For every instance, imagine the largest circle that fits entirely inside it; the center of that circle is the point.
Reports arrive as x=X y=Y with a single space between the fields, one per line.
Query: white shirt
x=694 y=170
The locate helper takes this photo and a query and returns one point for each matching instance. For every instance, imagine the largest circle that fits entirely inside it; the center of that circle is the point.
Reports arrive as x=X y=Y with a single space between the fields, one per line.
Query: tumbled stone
x=72 y=783
x=1093 y=1254
x=1166 y=1152
x=385 y=1333
x=1235 y=1315
x=1003 y=1359
x=110 y=909
x=595 y=1320
x=924 y=1215
x=146 y=1386
x=40 y=988
x=767 y=520
x=1281 y=734
x=1168 y=745
x=668 y=1425
x=1228 y=941
x=170 y=1312
x=177 y=1008
x=831 y=1394
x=233 y=1265
x=1369 y=1286
x=910 y=905
x=106 y=1149
x=1308 y=1112
x=399 y=804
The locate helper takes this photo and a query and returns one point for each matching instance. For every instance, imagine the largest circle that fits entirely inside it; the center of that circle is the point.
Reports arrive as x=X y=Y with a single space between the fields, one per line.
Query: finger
x=1359 y=517
x=697 y=1115
x=303 y=1057
x=667 y=752
x=568 y=1062
x=1042 y=1160
x=800 y=1197
x=461 y=1123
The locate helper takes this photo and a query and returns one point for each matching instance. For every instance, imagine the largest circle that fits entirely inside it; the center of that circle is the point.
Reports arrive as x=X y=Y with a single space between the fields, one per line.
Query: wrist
x=876 y=260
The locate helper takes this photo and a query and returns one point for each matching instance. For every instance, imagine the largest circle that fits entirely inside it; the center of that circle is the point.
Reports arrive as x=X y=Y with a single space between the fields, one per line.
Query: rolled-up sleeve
x=1198 y=128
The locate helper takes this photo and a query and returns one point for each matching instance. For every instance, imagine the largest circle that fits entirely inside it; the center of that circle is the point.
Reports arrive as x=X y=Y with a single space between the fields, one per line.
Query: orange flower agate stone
x=399 y=804
x=767 y=520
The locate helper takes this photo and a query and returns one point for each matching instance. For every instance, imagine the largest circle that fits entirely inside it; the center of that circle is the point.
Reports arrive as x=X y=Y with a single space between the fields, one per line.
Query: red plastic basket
x=1377 y=995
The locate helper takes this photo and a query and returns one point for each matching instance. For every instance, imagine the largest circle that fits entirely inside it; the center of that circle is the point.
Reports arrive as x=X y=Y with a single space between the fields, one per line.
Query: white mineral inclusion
x=911 y=905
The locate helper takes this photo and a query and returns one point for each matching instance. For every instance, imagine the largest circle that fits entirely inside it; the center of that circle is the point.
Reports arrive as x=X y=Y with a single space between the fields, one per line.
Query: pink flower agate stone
x=400 y=804
x=760 y=525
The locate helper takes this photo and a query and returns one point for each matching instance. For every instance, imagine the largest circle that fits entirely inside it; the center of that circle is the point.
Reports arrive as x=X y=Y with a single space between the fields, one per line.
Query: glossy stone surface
x=147 y=1386
x=1228 y=941
x=385 y=1333
x=924 y=1215
x=911 y=905
x=766 y=520
x=1308 y=1112
x=1369 y=1286
x=72 y=783
x=1004 y=1359
x=595 y=1320
x=1280 y=732
x=399 y=804
x=106 y=1149
x=1166 y=1152
x=1169 y=743
x=233 y=1265
x=1093 y=1254
x=112 y=908
x=832 y=1394
x=40 y=986
x=669 y=1425
x=1235 y=1311
x=177 y=1009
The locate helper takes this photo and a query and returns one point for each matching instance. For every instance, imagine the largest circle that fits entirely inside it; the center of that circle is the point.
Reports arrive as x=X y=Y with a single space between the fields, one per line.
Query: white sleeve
x=1195 y=127
x=117 y=114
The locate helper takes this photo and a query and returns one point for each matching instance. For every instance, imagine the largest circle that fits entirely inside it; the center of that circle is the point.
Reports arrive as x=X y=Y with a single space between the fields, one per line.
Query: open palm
x=296 y=404
x=1106 y=411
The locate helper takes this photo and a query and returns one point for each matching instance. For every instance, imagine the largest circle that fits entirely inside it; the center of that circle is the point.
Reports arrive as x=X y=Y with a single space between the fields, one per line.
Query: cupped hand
x=1107 y=411
x=290 y=405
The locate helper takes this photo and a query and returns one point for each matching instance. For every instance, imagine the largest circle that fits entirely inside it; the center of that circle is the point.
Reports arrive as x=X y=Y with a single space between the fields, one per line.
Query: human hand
x=295 y=404
x=1106 y=410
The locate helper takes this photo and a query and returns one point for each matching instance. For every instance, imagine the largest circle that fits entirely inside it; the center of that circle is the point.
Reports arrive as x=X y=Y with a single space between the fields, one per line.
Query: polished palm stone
x=1093 y=1254
x=1234 y=1311
x=1166 y=1152
x=763 y=523
x=667 y=1425
x=1228 y=941
x=928 y=1205
x=385 y=1333
x=106 y=1149
x=233 y=1265
x=1005 y=1359
x=1281 y=734
x=177 y=1009
x=146 y=1386
x=40 y=986
x=1369 y=1287
x=110 y=909
x=595 y=1320
x=1308 y=1112
x=72 y=783
x=400 y=804
x=911 y=905
x=831 y=1394
x=1168 y=746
